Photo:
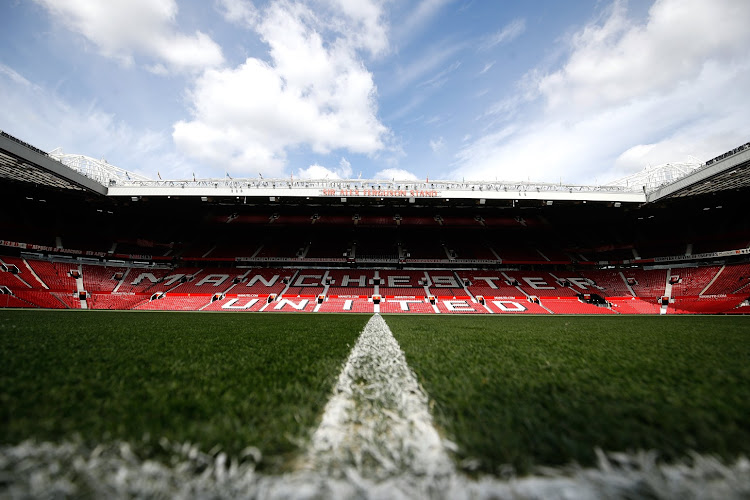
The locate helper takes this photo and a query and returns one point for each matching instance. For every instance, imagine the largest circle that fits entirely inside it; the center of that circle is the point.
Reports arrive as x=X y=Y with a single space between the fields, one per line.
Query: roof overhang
x=732 y=172
x=343 y=190
x=24 y=163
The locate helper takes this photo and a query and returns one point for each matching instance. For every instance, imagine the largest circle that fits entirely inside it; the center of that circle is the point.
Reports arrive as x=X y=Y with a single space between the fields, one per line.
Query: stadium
x=669 y=240
x=585 y=392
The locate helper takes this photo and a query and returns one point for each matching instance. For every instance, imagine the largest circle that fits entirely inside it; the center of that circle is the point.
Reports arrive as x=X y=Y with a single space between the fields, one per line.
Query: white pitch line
x=377 y=424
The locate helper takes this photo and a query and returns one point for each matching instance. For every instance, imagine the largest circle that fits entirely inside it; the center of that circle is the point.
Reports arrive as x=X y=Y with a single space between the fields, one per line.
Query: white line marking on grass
x=377 y=424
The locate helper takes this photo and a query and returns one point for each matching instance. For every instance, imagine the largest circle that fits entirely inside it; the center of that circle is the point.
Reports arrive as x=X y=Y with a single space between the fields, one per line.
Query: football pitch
x=513 y=393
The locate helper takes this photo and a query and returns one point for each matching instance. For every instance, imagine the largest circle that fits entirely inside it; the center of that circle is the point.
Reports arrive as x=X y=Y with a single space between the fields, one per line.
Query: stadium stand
x=175 y=303
x=263 y=282
x=349 y=283
x=406 y=306
x=612 y=283
x=515 y=306
x=101 y=279
x=402 y=284
x=55 y=275
x=704 y=305
x=40 y=298
x=730 y=279
x=247 y=304
x=634 y=305
x=115 y=301
x=647 y=283
x=690 y=281
x=573 y=306
x=460 y=306
x=347 y=305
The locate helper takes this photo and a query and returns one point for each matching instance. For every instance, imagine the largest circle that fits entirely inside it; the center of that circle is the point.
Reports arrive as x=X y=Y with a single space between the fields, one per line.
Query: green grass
x=231 y=380
x=531 y=391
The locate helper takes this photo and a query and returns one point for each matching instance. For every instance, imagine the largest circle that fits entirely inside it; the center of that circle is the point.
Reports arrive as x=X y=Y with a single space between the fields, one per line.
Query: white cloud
x=320 y=172
x=487 y=67
x=427 y=61
x=242 y=12
x=397 y=174
x=46 y=121
x=365 y=27
x=418 y=18
x=122 y=29
x=437 y=145
x=315 y=92
x=510 y=32
x=628 y=95
x=617 y=61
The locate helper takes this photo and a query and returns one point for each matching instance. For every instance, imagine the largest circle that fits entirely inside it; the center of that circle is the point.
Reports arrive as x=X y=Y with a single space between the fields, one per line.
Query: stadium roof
x=24 y=163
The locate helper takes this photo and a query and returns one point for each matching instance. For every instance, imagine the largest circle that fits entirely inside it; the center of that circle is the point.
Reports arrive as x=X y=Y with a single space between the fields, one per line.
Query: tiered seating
x=446 y=284
x=143 y=278
x=231 y=250
x=70 y=300
x=218 y=280
x=200 y=250
x=356 y=305
x=54 y=274
x=554 y=254
x=250 y=304
x=335 y=220
x=11 y=280
x=578 y=283
x=741 y=309
x=635 y=305
x=281 y=248
x=372 y=246
x=40 y=298
x=460 y=221
x=511 y=253
x=573 y=306
x=424 y=248
x=175 y=303
x=13 y=301
x=733 y=279
x=650 y=283
x=374 y=220
x=115 y=301
x=482 y=283
x=704 y=305
x=610 y=281
x=303 y=291
x=418 y=221
x=412 y=306
x=98 y=279
x=263 y=282
x=542 y=284
x=692 y=280
x=293 y=304
x=350 y=283
x=326 y=249
x=460 y=306
x=515 y=306
x=471 y=250
x=402 y=283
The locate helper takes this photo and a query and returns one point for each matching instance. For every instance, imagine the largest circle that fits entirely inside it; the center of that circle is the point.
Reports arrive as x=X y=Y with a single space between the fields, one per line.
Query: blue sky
x=584 y=91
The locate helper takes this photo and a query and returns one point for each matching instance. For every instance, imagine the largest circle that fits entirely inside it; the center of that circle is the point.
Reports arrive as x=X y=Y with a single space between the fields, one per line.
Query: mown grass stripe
x=547 y=391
